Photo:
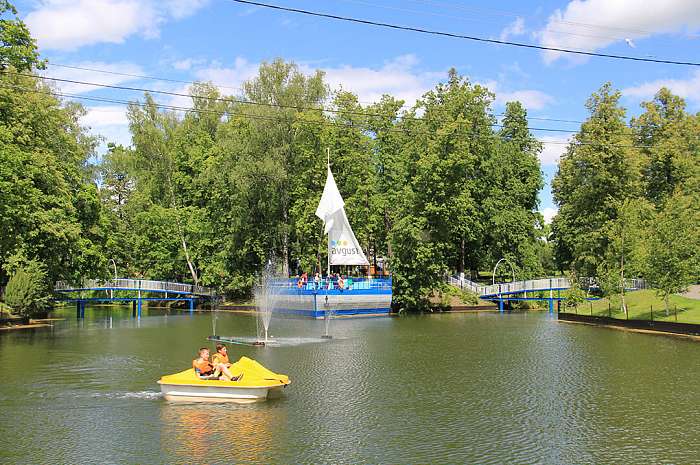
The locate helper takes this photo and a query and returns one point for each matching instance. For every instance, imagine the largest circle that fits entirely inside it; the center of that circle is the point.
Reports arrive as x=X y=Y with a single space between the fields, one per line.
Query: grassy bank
x=641 y=305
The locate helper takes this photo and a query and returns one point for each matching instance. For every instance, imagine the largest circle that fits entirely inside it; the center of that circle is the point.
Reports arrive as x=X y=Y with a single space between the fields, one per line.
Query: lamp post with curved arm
x=493 y=276
x=493 y=281
x=111 y=292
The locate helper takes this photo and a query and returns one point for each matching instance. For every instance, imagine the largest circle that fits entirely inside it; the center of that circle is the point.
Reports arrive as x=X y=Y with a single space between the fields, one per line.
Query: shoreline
x=659 y=328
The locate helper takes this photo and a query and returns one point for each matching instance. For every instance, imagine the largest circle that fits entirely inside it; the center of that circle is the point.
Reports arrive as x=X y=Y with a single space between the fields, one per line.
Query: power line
x=139 y=76
x=478 y=20
x=512 y=14
x=462 y=36
x=268 y=118
x=155 y=78
x=244 y=102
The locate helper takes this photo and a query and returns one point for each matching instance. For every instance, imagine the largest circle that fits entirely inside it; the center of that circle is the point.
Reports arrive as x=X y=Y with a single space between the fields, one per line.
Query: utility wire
x=139 y=76
x=462 y=36
x=155 y=78
x=513 y=14
x=268 y=118
x=244 y=102
x=479 y=20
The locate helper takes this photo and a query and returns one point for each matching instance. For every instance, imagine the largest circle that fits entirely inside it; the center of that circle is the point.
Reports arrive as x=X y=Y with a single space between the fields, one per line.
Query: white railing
x=465 y=284
x=138 y=284
x=542 y=284
x=524 y=286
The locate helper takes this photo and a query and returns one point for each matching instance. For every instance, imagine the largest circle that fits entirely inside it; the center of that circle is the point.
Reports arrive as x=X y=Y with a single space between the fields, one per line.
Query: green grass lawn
x=641 y=304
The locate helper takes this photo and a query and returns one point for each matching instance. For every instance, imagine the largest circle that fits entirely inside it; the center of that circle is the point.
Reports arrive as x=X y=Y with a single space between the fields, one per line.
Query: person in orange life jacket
x=204 y=369
x=220 y=360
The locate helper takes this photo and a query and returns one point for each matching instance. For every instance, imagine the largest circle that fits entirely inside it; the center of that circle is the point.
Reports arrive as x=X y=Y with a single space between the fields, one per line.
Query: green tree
x=670 y=140
x=626 y=253
x=17 y=47
x=49 y=205
x=599 y=168
x=28 y=290
x=674 y=242
x=511 y=181
x=574 y=296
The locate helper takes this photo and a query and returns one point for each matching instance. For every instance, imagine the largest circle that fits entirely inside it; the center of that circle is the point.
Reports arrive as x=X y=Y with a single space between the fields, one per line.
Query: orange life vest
x=204 y=366
x=218 y=358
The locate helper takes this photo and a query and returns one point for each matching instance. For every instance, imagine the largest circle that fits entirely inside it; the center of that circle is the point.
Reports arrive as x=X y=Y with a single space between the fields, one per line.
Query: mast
x=328 y=166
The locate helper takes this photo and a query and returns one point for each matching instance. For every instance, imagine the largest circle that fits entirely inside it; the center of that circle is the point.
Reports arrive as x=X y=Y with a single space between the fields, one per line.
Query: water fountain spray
x=267 y=294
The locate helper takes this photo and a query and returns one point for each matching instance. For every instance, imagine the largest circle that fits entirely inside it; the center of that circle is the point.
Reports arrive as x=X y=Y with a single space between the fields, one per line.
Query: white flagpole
x=328 y=165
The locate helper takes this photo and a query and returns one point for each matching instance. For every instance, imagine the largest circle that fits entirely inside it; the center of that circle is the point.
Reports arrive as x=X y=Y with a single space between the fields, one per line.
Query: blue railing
x=349 y=284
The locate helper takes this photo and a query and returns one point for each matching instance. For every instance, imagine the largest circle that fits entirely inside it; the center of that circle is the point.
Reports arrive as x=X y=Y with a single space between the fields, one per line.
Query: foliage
x=17 y=47
x=27 y=291
x=674 y=246
x=464 y=296
x=49 y=205
x=599 y=168
x=626 y=252
x=574 y=296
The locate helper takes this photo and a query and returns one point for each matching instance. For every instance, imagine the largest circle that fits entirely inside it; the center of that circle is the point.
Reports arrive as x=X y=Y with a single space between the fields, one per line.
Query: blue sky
x=223 y=42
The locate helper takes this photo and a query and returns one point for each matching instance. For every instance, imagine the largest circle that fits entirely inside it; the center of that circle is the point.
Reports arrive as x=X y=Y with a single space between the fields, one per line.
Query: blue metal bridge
x=542 y=289
x=135 y=291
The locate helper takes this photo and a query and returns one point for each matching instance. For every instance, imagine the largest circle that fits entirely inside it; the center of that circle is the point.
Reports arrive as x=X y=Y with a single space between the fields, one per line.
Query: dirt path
x=693 y=292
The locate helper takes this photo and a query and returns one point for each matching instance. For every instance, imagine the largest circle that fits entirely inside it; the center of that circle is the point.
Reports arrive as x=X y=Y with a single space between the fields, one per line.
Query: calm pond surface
x=449 y=388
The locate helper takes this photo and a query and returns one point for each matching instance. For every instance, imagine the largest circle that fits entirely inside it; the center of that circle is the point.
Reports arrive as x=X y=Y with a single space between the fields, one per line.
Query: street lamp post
x=111 y=292
x=512 y=269
x=493 y=280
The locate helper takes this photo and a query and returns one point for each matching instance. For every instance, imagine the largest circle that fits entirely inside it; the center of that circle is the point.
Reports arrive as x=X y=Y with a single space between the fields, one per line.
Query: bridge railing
x=465 y=284
x=541 y=284
x=528 y=285
x=140 y=284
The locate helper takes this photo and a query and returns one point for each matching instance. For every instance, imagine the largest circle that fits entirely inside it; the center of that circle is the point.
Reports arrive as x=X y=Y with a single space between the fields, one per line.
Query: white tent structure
x=343 y=248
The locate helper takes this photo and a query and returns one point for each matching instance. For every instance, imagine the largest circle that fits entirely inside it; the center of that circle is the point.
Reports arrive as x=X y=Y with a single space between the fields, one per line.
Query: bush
x=27 y=291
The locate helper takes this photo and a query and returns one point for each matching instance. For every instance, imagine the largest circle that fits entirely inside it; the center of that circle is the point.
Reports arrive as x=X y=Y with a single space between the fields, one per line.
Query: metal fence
x=138 y=284
x=541 y=284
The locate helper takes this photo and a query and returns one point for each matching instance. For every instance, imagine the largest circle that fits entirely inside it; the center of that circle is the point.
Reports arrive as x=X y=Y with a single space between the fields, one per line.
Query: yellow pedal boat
x=257 y=383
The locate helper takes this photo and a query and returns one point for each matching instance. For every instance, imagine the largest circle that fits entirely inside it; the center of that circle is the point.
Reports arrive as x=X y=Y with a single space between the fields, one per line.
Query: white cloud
x=229 y=79
x=548 y=214
x=531 y=99
x=686 y=88
x=552 y=150
x=70 y=24
x=516 y=28
x=91 y=76
x=107 y=115
x=187 y=64
x=110 y=122
x=398 y=77
x=595 y=24
x=179 y=9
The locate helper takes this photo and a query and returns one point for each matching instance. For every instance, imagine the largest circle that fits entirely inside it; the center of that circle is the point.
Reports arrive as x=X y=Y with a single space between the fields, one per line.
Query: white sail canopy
x=343 y=248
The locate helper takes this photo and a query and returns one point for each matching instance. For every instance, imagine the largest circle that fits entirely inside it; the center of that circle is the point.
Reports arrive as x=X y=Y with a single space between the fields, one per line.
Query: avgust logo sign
x=341 y=247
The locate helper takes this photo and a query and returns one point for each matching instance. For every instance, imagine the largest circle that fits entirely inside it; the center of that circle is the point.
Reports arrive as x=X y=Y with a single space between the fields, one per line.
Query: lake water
x=449 y=388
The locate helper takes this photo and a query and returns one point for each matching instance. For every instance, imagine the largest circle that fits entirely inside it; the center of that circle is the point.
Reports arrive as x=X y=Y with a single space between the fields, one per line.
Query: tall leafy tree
x=674 y=244
x=49 y=205
x=18 y=49
x=600 y=167
x=670 y=139
x=627 y=252
x=508 y=196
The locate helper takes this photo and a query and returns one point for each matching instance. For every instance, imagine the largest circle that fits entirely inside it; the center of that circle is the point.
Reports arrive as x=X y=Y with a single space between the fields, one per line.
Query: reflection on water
x=486 y=388
x=198 y=432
